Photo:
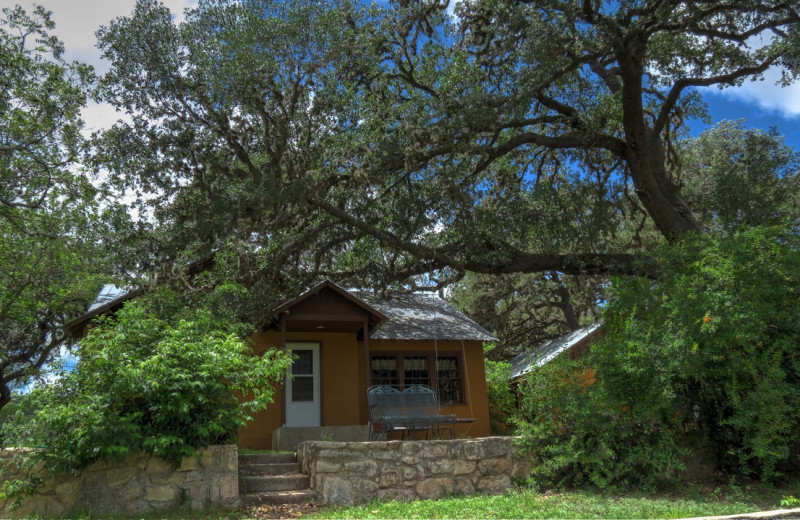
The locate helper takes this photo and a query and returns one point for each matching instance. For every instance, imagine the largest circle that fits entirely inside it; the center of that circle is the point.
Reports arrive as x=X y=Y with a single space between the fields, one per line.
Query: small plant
x=789 y=501
x=326 y=436
x=17 y=490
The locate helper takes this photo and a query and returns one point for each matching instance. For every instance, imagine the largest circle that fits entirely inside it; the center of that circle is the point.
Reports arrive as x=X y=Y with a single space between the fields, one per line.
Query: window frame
x=398 y=355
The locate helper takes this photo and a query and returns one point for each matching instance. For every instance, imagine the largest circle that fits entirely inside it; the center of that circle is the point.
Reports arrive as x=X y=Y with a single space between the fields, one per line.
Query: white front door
x=302 y=388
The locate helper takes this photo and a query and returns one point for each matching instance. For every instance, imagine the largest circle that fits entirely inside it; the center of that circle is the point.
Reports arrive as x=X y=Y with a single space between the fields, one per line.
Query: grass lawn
x=525 y=503
x=689 y=501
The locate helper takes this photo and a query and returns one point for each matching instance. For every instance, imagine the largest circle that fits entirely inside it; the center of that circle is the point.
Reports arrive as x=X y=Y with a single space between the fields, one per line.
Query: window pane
x=304 y=362
x=303 y=388
x=449 y=380
x=415 y=370
x=384 y=370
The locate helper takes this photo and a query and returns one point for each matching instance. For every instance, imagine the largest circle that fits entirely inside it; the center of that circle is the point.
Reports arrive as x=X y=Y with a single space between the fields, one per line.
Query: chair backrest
x=385 y=401
x=421 y=401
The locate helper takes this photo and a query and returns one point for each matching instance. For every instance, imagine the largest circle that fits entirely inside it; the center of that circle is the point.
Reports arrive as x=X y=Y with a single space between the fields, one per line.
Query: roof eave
x=74 y=327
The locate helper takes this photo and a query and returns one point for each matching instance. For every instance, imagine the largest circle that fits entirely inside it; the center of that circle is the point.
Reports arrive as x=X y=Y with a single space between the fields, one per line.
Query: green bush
x=502 y=402
x=163 y=384
x=710 y=346
x=584 y=433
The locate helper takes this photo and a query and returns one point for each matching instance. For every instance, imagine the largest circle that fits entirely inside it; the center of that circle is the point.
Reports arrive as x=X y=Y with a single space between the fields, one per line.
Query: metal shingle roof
x=418 y=316
x=539 y=355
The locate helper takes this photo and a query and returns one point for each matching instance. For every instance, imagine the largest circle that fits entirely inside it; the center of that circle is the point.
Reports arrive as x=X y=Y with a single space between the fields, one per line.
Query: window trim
x=400 y=354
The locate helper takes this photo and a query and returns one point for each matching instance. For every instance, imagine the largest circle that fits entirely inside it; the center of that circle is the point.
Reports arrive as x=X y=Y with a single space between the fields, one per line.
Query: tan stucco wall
x=344 y=383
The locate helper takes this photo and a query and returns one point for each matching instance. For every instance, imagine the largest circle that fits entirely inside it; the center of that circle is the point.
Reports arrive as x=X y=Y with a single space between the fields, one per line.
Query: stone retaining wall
x=351 y=473
x=139 y=484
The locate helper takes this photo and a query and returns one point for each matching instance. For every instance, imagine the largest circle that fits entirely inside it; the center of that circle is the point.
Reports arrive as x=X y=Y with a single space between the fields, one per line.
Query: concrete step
x=279 y=468
x=295 y=482
x=266 y=458
x=276 y=497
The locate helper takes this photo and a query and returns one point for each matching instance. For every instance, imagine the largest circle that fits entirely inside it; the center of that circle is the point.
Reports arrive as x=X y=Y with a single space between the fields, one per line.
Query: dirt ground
x=279 y=511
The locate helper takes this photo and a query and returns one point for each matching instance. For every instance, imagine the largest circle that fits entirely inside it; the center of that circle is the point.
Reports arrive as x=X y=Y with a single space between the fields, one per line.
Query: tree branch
x=519 y=261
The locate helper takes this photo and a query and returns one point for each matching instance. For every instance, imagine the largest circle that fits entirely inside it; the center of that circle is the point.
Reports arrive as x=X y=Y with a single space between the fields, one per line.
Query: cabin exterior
x=346 y=341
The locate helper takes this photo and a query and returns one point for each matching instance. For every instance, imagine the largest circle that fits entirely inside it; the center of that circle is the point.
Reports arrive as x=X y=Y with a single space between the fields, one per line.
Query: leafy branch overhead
x=517 y=137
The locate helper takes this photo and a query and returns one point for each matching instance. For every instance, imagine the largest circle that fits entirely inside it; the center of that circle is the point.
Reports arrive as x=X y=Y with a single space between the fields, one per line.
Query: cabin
x=346 y=341
x=573 y=344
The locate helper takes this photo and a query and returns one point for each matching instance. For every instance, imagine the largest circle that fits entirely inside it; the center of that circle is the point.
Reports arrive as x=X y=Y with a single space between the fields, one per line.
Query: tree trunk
x=5 y=394
x=659 y=195
x=644 y=152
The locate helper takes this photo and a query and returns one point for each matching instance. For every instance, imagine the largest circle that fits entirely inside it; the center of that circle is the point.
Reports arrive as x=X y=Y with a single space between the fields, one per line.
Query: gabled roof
x=540 y=355
x=327 y=284
x=419 y=316
x=323 y=290
x=401 y=316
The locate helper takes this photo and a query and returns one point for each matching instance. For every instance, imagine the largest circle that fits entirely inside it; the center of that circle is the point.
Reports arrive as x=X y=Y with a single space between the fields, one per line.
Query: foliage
x=523 y=310
x=522 y=137
x=710 y=346
x=735 y=177
x=502 y=402
x=584 y=432
x=724 y=322
x=385 y=142
x=233 y=117
x=49 y=211
x=157 y=383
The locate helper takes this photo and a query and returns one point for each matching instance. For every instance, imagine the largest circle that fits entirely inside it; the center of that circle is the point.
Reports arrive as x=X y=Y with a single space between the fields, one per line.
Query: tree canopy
x=385 y=142
x=48 y=247
x=733 y=177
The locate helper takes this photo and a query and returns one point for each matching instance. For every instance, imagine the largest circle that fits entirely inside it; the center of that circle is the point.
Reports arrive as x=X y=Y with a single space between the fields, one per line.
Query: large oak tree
x=388 y=142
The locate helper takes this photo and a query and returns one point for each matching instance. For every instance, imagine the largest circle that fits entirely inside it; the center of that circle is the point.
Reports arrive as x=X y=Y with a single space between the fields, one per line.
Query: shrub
x=584 y=433
x=711 y=345
x=163 y=385
x=502 y=402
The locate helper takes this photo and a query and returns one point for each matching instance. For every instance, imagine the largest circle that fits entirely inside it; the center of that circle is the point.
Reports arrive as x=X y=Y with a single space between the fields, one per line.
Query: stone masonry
x=137 y=485
x=351 y=473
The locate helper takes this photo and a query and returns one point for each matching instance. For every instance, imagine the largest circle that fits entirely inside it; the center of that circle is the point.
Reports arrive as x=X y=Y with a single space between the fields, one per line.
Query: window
x=384 y=370
x=303 y=372
x=449 y=379
x=404 y=369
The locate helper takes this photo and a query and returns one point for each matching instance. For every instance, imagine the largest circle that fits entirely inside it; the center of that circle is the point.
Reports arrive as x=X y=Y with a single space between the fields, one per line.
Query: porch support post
x=283 y=386
x=367 y=374
x=466 y=378
x=367 y=367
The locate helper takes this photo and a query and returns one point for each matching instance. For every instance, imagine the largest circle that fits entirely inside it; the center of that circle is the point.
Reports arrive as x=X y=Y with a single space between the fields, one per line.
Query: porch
x=287 y=438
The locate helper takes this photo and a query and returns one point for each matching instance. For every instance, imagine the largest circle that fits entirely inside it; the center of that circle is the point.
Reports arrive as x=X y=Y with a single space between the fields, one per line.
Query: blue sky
x=730 y=104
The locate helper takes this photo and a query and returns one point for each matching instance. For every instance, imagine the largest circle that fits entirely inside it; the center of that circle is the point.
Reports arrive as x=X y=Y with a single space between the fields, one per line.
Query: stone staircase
x=272 y=478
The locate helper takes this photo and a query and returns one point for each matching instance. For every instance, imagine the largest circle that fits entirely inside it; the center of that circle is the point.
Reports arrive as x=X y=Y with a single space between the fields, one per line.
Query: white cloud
x=765 y=94
x=77 y=21
x=99 y=116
